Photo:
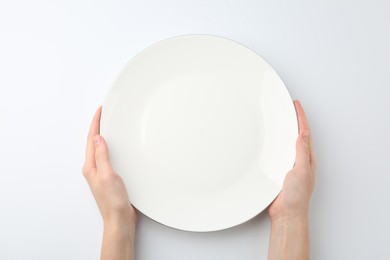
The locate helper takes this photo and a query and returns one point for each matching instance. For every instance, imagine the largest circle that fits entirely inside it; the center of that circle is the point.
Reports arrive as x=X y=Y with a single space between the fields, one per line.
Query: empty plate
x=202 y=131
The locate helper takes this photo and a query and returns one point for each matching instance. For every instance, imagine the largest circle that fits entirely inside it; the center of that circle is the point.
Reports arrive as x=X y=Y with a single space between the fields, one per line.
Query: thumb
x=303 y=150
x=101 y=154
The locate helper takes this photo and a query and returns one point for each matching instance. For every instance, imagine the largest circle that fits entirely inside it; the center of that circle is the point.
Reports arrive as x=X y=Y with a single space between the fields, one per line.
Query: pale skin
x=119 y=216
x=289 y=239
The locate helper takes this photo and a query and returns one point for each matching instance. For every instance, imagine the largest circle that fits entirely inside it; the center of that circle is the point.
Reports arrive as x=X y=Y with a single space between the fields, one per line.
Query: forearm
x=289 y=238
x=118 y=241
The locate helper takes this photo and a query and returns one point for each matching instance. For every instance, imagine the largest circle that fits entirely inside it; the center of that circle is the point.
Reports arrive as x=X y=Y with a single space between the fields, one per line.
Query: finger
x=302 y=120
x=302 y=145
x=304 y=126
x=102 y=160
x=303 y=151
x=89 y=164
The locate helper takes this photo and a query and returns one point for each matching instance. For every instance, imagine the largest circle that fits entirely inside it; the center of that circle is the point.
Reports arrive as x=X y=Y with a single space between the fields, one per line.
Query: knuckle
x=85 y=171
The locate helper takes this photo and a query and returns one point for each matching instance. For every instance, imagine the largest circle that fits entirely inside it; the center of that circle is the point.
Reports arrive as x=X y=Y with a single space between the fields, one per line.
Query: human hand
x=293 y=200
x=107 y=187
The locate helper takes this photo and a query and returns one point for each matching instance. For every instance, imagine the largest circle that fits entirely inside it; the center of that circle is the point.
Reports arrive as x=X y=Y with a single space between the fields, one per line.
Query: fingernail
x=96 y=140
x=305 y=136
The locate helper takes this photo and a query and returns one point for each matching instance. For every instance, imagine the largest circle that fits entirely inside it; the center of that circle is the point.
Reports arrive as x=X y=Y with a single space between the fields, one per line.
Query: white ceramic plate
x=202 y=131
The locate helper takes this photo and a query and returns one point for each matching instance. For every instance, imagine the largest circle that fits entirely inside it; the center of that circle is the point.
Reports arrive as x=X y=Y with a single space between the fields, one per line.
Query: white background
x=58 y=59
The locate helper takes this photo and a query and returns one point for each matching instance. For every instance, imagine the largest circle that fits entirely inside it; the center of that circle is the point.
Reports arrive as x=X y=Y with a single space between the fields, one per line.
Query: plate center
x=200 y=133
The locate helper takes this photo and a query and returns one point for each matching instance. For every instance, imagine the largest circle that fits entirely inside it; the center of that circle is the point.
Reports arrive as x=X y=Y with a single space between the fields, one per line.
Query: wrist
x=119 y=233
x=290 y=237
x=118 y=239
x=122 y=224
x=123 y=218
x=301 y=217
